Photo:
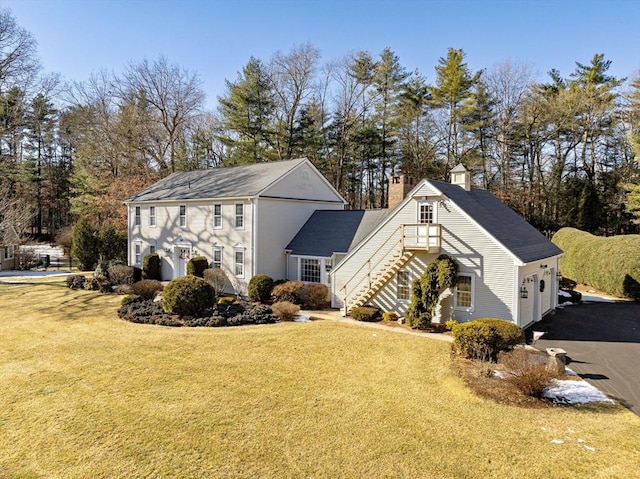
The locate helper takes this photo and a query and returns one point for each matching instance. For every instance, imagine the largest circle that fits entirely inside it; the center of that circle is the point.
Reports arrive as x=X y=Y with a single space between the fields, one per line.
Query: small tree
x=112 y=243
x=151 y=265
x=85 y=247
x=217 y=278
x=426 y=291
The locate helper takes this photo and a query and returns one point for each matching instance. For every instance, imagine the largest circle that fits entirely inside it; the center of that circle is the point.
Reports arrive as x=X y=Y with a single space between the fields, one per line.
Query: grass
x=87 y=395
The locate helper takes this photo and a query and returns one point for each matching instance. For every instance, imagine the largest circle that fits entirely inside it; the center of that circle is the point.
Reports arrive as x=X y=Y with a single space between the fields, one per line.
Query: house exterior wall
x=277 y=222
x=476 y=253
x=8 y=255
x=198 y=231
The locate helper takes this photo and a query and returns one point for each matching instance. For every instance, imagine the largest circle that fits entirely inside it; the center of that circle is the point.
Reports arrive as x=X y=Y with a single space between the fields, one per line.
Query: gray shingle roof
x=229 y=182
x=524 y=241
x=334 y=231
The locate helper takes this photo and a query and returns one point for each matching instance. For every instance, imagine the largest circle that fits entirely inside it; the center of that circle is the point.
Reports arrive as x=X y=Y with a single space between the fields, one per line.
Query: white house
x=284 y=219
x=241 y=218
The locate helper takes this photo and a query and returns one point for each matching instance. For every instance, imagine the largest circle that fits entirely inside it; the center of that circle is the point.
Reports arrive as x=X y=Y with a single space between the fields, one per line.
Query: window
x=239 y=215
x=464 y=292
x=403 y=284
x=238 y=263
x=425 y=214
x=137 y=216
x=183 y=216
x=138 y=253
x=217 y=257
x=152 y=215
x=217 y=216
x=310 y=270
x=152 y=248
x=8 y=252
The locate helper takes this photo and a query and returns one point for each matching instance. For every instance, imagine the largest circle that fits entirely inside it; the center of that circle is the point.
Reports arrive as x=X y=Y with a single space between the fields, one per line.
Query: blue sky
x=216 y=38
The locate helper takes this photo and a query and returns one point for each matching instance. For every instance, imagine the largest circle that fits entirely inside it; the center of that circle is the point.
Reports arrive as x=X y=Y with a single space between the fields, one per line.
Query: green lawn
x=85 y=395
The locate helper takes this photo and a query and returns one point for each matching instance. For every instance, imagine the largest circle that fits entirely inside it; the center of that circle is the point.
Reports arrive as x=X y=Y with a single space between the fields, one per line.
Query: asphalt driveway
x=602 y=341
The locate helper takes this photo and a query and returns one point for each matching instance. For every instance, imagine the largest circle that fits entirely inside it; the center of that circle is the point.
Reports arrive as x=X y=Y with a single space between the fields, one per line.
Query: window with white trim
x=138 y=253
x=403 y=285
x=465 y=291
x=137 y=215
x=238 y=262
x=9 y=251
x=217 y=257
x=183 y=216
x=309 y=270
x=152 y=215
x=152 y=248
x=217 y=216
x=239 y=222
x=425 y=213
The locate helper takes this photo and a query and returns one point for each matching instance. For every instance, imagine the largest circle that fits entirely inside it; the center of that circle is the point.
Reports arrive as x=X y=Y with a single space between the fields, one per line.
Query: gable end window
x=239 y=221
x=425 y=213
x=137 y=220
x=217 y=216
x=465 y=292
x=152 y=215
x=183 y=216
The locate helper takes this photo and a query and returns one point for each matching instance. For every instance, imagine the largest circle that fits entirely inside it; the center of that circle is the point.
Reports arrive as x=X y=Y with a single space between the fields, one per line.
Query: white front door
x=182 y=257
x=529 y=300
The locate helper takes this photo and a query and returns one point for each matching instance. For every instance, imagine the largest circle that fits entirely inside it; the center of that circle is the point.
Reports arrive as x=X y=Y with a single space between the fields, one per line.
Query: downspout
x=254 y=233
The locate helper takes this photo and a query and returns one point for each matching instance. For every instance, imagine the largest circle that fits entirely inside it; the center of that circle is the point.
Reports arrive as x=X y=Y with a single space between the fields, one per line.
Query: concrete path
x=602 y=341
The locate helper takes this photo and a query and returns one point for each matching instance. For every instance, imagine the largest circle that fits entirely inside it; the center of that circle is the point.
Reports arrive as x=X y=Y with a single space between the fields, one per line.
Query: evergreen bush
x=151 y=266
x=485 y=338
x=366 y=313
x=610 y=264
x=187 y=296
x=197 y=265
x=86 y=244
x=260 y=287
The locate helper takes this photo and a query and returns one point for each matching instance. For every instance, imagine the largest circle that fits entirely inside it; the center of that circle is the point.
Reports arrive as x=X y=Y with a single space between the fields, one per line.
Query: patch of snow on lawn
x=301 y=319
x=567 y=391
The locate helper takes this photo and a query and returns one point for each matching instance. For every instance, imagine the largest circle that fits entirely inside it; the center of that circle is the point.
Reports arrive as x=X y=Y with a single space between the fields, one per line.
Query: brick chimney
x=399 y=185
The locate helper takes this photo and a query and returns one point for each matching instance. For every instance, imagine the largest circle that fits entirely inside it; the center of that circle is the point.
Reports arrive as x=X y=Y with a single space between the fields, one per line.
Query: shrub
x=112 y=244
x=527 y=371
x=216 y=278
x=610 y=264
x=197 y=265
x=260 y=287
x=76 y=281
x=130 y=298
x=151 y=266
x=485 y=338
x=365 y=313
x=390 y=316
x=147 y=288
x=287 y=291
x=509 y=334
x=254 y=314
x=187 y=296
x=475 y=340
x=121 y=274
x=449 y=324
x=285 y=311
x=314 y=296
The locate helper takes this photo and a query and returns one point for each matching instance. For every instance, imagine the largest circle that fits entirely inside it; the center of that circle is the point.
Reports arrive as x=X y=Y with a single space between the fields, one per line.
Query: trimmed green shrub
x=485 y=338
x=288 y=291
x=147 y=288
x=151 y=266
x=390 y=316
x=285 y=311
x=187 y=296
x=197 y=265
x=314 y=296
x=226 y=300
x=217 y=278
x=610 y=264
x=260 y=287
x=366 y=313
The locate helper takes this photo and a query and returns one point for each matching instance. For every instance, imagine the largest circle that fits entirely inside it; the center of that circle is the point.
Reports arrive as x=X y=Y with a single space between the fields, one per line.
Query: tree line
x=563 y=152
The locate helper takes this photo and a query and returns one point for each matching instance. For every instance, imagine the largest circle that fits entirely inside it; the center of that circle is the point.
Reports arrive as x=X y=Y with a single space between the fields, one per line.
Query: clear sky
x=215 y=38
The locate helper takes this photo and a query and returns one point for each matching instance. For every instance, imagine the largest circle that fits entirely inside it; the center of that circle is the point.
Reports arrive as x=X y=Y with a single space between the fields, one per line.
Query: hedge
x=610 y=264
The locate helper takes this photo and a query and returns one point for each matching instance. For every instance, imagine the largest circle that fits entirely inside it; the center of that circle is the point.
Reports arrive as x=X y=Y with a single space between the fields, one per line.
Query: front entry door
x=183 y=258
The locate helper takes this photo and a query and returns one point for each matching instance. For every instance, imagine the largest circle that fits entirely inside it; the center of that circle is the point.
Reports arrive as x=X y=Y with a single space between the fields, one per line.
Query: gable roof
x=334 y=231
x=222 y=182
x=505 y=225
